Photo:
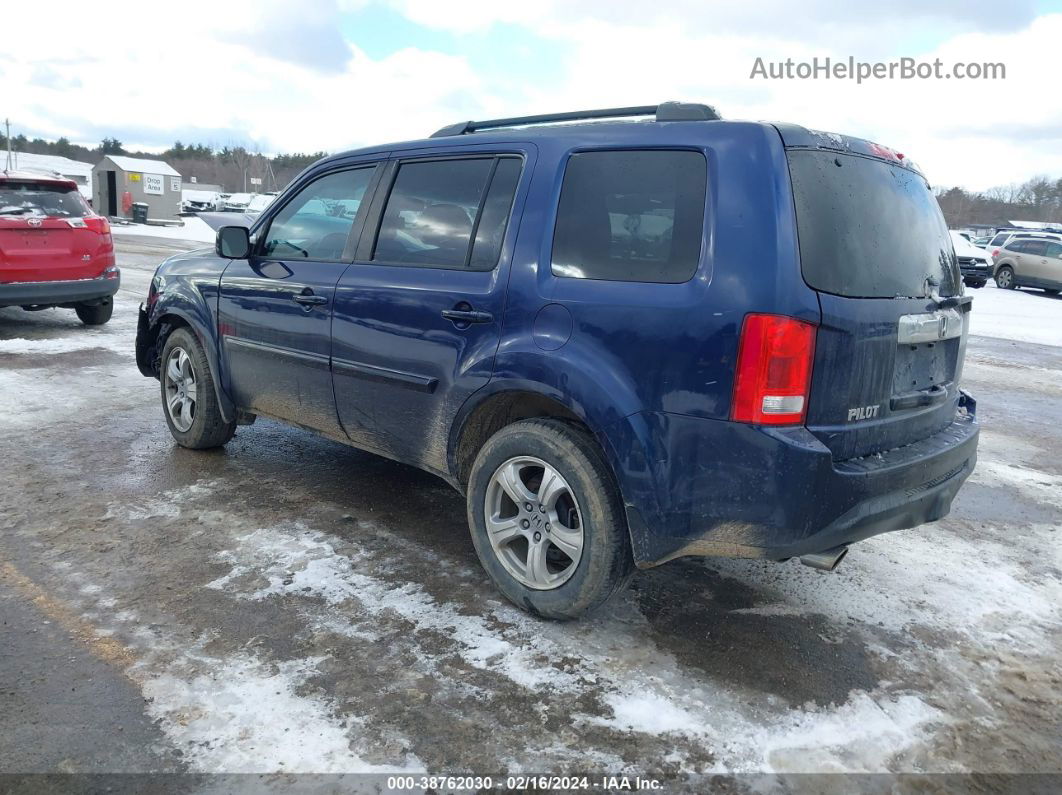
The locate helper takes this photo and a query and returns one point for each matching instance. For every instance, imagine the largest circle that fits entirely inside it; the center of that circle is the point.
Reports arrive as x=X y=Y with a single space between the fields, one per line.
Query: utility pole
x=7 y=126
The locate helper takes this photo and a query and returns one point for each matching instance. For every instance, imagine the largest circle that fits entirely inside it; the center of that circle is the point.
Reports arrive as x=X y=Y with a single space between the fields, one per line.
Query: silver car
x=1030 y=262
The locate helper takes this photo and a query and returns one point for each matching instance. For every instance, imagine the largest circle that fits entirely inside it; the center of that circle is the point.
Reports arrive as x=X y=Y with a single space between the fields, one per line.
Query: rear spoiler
x=796 y=137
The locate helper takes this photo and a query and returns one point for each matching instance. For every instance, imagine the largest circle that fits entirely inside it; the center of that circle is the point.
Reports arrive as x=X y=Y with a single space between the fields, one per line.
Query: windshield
x=869 y=229
x=41 y=199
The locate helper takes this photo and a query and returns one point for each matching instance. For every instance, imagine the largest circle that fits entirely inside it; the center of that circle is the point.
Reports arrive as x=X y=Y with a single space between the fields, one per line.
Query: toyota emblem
x=33 y=221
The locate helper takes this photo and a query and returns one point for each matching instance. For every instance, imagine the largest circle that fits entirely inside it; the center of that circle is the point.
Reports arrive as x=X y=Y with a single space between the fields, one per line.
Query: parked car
x=572 y=325
x=236 y=202
x=200 y=201
x=1000 y=239
x=1030 y=262
x=54 y=250
x=982 y=242
x=259 y=202
x=975 y=264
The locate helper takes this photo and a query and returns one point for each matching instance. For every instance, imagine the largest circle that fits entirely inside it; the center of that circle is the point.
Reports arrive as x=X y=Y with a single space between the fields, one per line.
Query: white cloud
x=225 y=72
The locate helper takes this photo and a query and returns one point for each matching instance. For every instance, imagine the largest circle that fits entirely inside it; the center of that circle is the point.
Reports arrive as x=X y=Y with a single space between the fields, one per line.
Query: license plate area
x=924 y=365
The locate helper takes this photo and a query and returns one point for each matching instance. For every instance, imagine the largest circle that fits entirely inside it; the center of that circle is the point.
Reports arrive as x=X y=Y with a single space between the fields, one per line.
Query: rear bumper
x=738 y=491
x=57 y=293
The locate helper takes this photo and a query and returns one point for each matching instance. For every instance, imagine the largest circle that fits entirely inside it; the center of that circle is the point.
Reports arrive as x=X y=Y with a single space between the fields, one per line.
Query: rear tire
x=189 y=400
x=95 y=314
x=1005 y=278
x=576 y=512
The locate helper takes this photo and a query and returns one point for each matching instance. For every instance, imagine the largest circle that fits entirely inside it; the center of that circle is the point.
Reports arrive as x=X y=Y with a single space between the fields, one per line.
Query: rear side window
x=41 y=199
x=1037 y=247
x=448 y=213
x=632 y=216
x=869 y=229
x=998 y=240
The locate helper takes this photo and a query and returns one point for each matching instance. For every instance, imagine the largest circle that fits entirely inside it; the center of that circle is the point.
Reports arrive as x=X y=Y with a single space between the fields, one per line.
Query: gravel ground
x=293 y=605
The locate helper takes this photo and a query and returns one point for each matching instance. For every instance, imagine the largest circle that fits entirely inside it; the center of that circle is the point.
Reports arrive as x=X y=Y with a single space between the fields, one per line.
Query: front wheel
x=189 y=400
x=547 y=520
x=95 y=314
x=1005 y=278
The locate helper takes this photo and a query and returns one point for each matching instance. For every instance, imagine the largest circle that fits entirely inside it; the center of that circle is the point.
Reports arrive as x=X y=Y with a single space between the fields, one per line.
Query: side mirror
x=233 y=242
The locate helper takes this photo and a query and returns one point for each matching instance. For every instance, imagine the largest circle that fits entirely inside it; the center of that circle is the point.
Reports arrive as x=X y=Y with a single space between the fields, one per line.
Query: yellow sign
x=133 y=177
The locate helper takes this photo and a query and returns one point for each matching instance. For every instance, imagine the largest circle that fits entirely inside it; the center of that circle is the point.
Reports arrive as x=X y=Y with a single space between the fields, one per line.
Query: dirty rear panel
x=889 y=350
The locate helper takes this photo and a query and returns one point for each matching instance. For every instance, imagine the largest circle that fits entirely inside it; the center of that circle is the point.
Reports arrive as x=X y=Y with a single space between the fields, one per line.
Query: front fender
x=189 y=301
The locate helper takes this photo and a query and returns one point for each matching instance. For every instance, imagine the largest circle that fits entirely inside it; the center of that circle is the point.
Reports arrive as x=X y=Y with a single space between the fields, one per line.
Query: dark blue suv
x=639 y=334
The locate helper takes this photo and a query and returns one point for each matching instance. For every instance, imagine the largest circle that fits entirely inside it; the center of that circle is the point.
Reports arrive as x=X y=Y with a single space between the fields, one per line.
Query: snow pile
x=195 y=230
x=1022 y=315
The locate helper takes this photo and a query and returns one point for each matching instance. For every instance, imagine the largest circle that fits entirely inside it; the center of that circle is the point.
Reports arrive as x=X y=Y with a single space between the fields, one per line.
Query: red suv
x=54 y=250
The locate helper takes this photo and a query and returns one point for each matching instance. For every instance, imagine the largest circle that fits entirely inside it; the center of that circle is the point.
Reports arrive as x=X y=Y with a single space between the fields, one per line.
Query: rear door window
x=869 y=229
x=41 y=199
x=1034 y=247
x=635 y=216
x=448 y=213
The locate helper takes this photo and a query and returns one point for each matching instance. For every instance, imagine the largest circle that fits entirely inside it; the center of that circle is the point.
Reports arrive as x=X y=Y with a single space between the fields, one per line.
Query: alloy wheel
x=534 y=523
x=181 y=389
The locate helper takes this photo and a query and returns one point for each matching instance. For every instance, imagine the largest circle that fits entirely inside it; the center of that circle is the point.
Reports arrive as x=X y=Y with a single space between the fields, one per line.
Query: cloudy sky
x=337 y=74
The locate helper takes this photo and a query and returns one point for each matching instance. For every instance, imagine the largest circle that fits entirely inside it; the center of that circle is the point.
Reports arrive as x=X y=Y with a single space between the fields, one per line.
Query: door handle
x=309 y=299
x=467 y=316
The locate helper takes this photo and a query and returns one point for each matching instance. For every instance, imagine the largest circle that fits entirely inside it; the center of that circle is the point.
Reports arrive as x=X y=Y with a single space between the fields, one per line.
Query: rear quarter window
x=635 y=215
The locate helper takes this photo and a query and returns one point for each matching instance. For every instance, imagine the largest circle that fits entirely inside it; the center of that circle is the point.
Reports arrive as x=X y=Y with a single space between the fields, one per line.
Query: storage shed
x=153 y=182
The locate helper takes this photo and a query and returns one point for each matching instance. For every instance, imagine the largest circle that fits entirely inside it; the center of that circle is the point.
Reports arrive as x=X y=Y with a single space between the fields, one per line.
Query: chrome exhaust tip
x=825 y=561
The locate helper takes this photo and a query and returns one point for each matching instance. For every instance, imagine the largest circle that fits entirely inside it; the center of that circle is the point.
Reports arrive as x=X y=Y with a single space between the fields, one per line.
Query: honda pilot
x=625 y=336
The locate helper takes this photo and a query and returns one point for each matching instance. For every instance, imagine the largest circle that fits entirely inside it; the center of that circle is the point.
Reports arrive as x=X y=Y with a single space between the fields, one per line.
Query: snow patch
x=1016 y=315
x=195 y=230
x=246 y=717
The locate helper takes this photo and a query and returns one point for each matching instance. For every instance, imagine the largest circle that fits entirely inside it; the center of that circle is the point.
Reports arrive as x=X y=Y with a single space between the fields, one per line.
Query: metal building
x=119 y=181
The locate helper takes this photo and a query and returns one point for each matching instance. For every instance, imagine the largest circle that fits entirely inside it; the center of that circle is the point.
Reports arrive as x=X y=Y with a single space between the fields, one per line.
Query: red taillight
x=773 y=370
x=98 y=224
x=995 y=253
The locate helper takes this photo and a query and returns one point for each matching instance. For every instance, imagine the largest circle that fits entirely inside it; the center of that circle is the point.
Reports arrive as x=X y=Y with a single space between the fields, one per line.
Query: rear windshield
x=41 y=199
x=869 y=229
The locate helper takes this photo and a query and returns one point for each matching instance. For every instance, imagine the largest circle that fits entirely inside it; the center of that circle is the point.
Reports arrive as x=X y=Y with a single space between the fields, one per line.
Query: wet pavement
x=291 y=604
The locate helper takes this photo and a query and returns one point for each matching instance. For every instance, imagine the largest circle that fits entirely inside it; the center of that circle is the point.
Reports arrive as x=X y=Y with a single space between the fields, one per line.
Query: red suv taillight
x=773 y=375
x=99 y=225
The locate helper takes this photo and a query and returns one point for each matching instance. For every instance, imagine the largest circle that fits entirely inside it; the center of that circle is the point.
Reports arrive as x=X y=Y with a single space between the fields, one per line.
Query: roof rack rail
x=665 y=111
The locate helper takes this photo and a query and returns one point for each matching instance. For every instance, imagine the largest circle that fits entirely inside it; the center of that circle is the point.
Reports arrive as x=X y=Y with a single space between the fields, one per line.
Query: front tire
x=547 y=520
x=189 y=400
x=95 y=314
x=1005 y=278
